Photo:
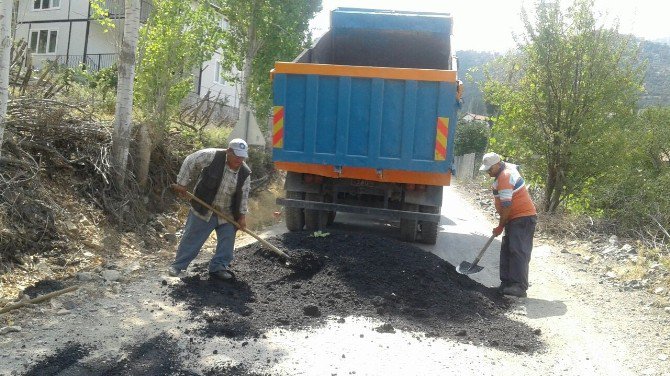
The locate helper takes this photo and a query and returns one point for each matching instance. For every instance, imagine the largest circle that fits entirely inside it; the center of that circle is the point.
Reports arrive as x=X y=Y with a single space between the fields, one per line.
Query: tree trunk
x=143 y=155
x=124 y=93
x=252 y=49
x=5 y=49
x=144 y=138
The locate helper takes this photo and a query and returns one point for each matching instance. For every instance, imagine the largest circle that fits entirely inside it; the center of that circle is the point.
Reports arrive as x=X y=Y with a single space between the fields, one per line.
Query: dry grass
x=263 y=211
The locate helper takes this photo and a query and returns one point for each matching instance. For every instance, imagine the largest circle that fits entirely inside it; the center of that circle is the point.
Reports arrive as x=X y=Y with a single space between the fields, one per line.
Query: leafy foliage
x=260 y=33
x=567 y=91
x=472 y=66
x=176 y=39
x=471 y=137
x=636 y=190
x=100 y=13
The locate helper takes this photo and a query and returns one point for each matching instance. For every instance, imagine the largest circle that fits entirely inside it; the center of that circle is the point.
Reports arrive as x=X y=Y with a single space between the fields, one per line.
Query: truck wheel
x=315 y=219
x=408 y=226
x=427 y=229
x=331 y=217
x=295 y=217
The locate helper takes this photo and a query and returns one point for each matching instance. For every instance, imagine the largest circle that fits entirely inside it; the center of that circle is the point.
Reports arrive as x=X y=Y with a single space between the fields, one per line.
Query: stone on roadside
x=627 y=248
x=9 y=329
x=85 y=276
x=71 y=226
x=111 y=275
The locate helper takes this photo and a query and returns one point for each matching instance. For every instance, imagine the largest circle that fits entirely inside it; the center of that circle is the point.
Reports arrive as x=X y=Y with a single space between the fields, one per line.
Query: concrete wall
x=208 y=82
x=68 y=10
x=70 y=20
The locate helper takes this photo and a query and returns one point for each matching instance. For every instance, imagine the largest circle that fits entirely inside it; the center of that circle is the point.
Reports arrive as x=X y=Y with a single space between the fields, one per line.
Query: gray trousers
x=517 y=245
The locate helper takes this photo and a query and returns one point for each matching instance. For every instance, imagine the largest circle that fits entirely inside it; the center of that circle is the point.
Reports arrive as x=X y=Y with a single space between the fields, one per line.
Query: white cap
x=239 y=146
x=488 y=160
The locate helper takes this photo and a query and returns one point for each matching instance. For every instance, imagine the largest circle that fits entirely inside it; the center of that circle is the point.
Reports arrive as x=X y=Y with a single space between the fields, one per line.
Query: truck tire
x=295 y=217
x=331 y=217
x=315 y=220
x=408 y=226
x=427 y=229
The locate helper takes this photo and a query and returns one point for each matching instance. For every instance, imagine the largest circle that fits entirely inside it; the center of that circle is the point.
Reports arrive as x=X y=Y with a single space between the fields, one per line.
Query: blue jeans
x=196 y=233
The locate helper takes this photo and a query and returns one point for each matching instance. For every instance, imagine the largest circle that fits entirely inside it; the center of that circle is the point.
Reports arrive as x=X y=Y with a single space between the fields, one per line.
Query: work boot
x=173 y=272
x=224 y=275
x=514 y=290
x=502 y=286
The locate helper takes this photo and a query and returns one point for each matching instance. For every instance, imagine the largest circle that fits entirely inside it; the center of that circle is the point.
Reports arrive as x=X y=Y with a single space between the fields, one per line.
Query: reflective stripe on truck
x=441 y=138
x=278 y=127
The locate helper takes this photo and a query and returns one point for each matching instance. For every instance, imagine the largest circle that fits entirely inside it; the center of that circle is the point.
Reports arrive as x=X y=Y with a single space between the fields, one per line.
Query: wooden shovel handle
x=38 y=299
x=231 y=220
x=481 y=253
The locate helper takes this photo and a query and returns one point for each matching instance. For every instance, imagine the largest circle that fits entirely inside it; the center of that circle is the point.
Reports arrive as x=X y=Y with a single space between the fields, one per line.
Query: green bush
x=635 y=192
x=471 y=137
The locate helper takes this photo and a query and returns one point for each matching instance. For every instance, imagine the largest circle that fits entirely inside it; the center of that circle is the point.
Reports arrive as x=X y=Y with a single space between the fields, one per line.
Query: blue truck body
x=364 y=121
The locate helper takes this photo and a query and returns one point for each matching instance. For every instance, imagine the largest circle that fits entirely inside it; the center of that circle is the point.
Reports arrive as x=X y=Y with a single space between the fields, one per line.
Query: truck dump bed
x=374 y=99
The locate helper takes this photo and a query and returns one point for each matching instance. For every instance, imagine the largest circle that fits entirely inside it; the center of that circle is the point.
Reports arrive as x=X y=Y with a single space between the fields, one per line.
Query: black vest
x=210 y=180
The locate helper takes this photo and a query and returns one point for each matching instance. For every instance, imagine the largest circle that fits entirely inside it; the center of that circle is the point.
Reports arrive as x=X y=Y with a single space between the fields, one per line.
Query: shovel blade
x=468 y=268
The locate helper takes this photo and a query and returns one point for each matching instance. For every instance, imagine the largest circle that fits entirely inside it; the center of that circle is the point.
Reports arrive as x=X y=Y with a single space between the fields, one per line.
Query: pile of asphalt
x=346 y=274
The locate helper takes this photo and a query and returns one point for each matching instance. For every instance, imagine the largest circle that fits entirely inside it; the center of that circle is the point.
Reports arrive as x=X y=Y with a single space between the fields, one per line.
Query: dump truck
x=364 y=121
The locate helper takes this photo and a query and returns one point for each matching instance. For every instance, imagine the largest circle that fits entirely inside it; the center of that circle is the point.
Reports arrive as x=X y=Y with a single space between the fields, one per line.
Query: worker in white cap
x=518 y=218
x=223 y=181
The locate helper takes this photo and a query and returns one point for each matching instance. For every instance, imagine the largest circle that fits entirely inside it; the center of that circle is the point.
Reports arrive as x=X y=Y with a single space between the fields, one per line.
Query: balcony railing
x=117 y=9
x=92 y=62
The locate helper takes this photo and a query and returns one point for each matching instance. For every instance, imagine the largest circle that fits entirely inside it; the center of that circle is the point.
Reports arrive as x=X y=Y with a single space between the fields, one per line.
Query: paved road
x=589 y=327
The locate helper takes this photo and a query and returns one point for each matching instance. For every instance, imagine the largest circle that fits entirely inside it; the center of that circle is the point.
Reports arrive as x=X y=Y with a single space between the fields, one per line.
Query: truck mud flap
x=378 y=212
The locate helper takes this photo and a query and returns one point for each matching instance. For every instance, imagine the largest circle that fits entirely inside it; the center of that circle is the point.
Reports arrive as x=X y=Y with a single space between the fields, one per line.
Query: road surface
x=589 y=326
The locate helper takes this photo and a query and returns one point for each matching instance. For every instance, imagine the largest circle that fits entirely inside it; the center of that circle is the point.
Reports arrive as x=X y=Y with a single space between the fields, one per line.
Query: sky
x=489 y=25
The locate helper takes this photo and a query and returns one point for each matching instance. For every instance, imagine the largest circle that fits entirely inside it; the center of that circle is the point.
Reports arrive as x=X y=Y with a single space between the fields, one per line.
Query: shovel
x=468 y=268
x=227 y=218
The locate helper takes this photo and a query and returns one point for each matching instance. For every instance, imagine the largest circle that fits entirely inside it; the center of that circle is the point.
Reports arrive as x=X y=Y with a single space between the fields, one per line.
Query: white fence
x=465 y=166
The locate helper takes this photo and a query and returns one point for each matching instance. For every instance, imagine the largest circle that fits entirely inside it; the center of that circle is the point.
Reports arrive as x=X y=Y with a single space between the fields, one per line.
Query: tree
x=178 y=37
x=471 y=137
x=5 y=49
x=569 y=86
x=640 y=197
x=124 y=93
x=260 y=33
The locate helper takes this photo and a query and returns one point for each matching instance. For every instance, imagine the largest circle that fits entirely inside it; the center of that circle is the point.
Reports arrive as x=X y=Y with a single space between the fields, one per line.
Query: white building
x=62 y=30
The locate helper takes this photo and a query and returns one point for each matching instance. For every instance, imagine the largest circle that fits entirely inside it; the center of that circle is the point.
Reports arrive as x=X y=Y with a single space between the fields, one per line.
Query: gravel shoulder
x=584 y=322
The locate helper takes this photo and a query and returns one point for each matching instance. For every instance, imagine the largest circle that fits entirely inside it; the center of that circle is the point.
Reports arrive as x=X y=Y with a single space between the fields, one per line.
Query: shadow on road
x=540 y=308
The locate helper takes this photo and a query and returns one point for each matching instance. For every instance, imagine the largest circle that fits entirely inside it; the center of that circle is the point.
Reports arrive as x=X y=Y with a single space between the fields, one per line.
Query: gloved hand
x=498 y=230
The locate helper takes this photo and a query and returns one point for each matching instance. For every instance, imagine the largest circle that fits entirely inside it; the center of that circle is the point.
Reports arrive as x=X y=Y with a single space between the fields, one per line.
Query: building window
x=46 y=4
x=43 y=41
x=217 y=74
